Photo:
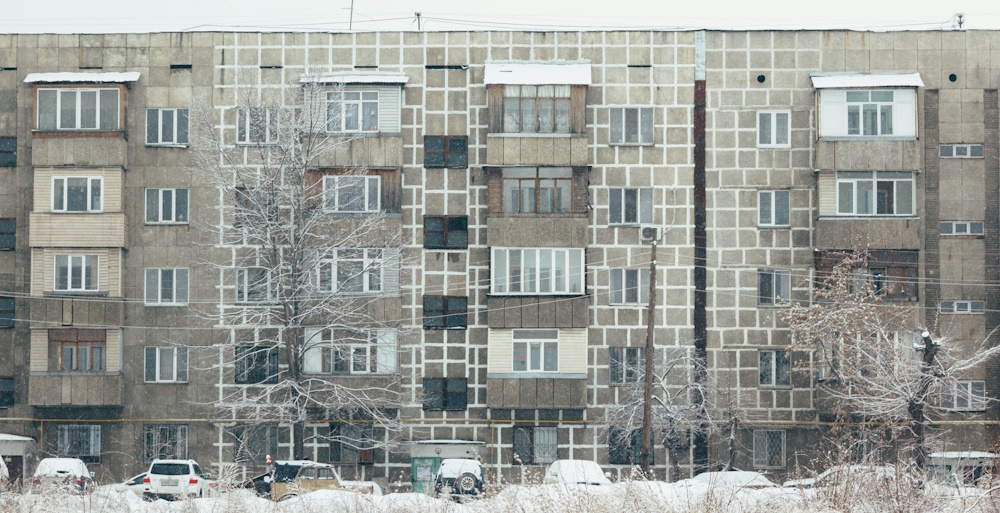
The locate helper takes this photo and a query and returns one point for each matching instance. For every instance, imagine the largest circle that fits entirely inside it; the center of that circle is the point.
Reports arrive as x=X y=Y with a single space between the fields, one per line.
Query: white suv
x=169 y=479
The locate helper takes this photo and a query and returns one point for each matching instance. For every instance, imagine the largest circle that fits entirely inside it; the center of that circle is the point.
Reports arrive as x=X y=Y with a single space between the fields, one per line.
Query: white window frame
x=174 y=201
x=79 y=108
x=373 y=261
x=962 y=228
x=332 y=185
x=178 y=369
x=897 y=177
x=770 y=358
x=501 y=283
x=180 y=285
x=620 y=295
x=174 y=140
x=961 y=391
x=320 y=345
x=245 y=120
x=961 y=151
x=780 y=279
x=760 y=449
x=542 y=338
x=770 y=199
x=645 y=126
x=857 y=107
x=779 y=122
x=963 y=307
x=64 y=187
x=243 y=284
x=83 y=260
x=364 y=96
x=643 y=198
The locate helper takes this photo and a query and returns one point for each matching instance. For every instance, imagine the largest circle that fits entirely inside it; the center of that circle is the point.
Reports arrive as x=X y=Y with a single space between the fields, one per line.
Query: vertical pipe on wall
x=700 y=251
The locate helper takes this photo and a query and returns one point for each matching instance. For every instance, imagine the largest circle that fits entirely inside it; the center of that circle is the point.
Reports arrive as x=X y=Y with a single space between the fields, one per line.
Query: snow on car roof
x=453 y=467
x=734 y=478
x=579 y=471
x=963 y=455
x=57 y=466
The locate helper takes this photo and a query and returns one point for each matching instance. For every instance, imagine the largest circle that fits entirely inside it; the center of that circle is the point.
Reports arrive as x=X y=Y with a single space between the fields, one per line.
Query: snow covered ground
x=620 y=497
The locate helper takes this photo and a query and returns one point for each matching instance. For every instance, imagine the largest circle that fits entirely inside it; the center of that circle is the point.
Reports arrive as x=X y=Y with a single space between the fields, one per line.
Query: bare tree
x=878 y=364
x=305 y=259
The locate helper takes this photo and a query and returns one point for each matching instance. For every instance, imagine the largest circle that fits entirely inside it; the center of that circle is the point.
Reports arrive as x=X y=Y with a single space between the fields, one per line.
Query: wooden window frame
x=626 y=365
x=454 y=151
x=453 y=314
x=449 y=225
x=244 y=372
x=448 y=391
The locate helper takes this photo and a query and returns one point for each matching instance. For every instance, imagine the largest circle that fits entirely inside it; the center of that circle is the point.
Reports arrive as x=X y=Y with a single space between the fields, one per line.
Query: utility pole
x=350 y=22
x=647 y=391
x=418 y=21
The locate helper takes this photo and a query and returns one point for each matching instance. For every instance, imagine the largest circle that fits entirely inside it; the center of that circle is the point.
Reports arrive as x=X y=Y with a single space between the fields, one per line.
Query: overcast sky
x=98 y=16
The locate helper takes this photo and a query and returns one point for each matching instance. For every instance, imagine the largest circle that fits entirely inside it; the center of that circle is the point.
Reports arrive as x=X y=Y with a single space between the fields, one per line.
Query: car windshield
x=170 y=469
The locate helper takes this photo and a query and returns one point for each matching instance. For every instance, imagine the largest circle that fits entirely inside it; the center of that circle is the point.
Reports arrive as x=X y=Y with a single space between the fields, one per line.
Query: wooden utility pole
x=647 y=391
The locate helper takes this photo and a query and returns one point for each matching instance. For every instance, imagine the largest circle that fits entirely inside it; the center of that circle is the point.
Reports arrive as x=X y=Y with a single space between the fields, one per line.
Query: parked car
x=62 y=473
x=170 y=479
x=134 y=484
x=739 y=479
x=311 y=476
x=364 y=487
x=583 y=472
x=260 y=484
x=457 y=478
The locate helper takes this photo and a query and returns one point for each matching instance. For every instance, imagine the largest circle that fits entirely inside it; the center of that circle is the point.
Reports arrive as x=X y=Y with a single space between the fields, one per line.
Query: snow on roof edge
x=380 y=77
x=4 y=437
x=128 y=76
x=538 y=72
x=846 y=80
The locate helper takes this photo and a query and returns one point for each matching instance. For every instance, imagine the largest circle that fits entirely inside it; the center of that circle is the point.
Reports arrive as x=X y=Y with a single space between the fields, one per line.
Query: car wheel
x=465 y=484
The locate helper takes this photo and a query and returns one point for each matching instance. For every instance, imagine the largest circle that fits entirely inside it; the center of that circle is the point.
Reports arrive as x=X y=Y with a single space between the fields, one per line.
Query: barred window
x=164 y=442
x=535 y=445
x=81 y=441
x=768 y=448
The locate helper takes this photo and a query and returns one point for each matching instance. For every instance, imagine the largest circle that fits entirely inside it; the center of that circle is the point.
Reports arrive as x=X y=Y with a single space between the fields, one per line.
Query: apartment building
x=527 y=174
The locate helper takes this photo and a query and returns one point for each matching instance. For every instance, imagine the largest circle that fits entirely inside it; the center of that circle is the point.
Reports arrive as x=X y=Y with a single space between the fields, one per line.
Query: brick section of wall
x=932 y=185
x=991 y=122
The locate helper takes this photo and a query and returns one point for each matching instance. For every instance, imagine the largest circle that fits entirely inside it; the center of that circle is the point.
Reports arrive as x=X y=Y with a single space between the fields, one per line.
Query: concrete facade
x=747 y=73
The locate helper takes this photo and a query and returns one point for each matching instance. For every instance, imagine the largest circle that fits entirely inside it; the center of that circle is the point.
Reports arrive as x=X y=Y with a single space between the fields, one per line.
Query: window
x=768 y=448
x=773 y=287
x=961 y=151
x=774 y=368
x=352 y=193
x=7 y=235
x=446 y=151
x=166 y=364
x=7 y=316
x=76 y=194
x=350 y=351
x=537 y=190
x=164 y=442
x=167 y=127
x=631 y=125
x=446 y=312
x=962 y=228
x=255 y=206
x=630 y=206
x=963 y=307
x=77 y=350
x=81 y=441
x=253 y=285
x=166 y=287
x=874 y=193
x=625 y=448
x=256 y=365
x=772 y=208
x=535 y=445
x=76 y=273
x=257 y=125
x=773 y=129
x=532 y=108
x=537 y=271
x=629 y=286
x=536 y=350
x=357 y=271
x=8 y=151
x=77 y=109
x=869 y=112
x=166 y=206
x=446 y=232
x=964 y=395
x=351 y=443
x=628 y=364
x=352 y=111
x=893 y=274
x=256 y=442
x=6 y=392
x=449 y=394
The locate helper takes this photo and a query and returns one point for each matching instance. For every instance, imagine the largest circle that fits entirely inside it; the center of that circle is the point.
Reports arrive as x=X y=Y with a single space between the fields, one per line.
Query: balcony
x=52 y=389
x=550 y=393
x=376 y=151
x=77 y=230
x=538 y=231
x=83 y=311
x=79 y=149
x=538 y=312
x=875 y=232
x=537 y=150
